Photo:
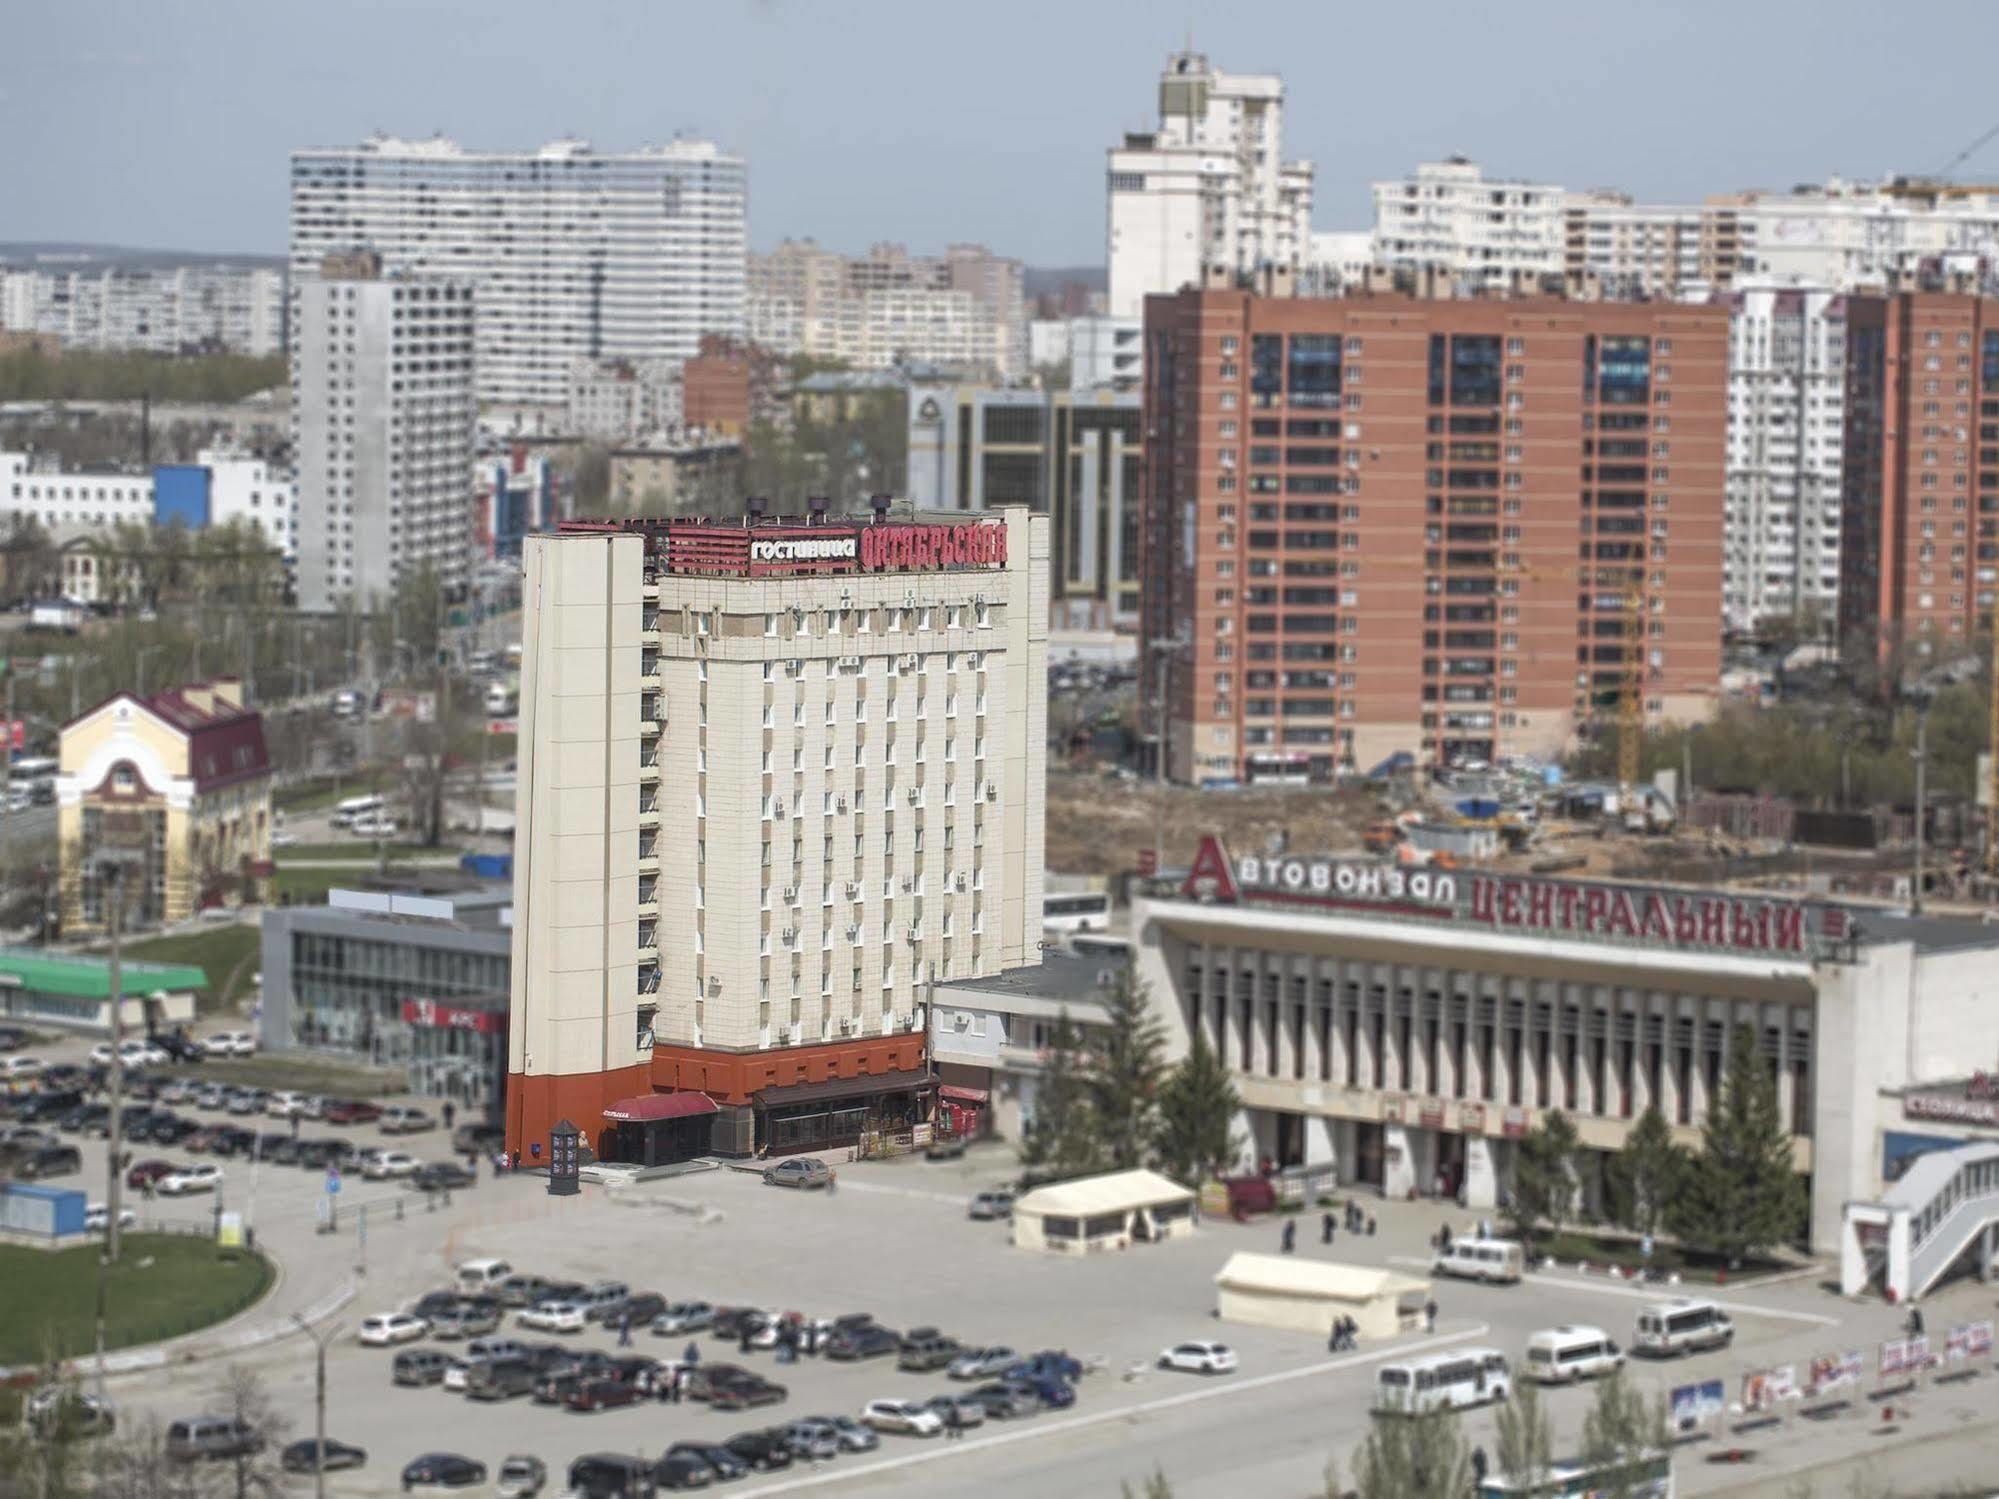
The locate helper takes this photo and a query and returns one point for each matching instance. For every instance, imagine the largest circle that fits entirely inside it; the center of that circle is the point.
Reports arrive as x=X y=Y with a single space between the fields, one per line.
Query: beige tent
x=1113 y=1211
x=1269 y=1290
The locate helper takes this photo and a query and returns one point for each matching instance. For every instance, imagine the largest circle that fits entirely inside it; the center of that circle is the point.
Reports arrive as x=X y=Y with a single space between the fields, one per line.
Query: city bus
x=356 y=809
x=32 y=779
x=1075 y=911
x=1442 y=1381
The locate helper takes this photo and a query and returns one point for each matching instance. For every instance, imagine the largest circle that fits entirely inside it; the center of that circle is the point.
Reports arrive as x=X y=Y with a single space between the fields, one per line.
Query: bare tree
x=256 y=1471
x=1414 y=1456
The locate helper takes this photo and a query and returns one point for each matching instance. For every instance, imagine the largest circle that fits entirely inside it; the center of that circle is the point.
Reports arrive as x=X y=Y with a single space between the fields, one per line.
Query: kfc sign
x=897 y=548
x=428 y=1012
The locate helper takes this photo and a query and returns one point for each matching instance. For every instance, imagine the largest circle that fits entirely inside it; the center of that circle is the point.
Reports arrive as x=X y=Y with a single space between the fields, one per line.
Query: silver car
x=814 y=1441
x=997 y=1203
x=854 y=1437
x=799 y=1171
x=983 y=1363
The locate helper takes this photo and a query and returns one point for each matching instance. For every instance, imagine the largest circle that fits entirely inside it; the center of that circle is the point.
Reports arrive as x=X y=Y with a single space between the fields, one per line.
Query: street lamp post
x=319 y=1340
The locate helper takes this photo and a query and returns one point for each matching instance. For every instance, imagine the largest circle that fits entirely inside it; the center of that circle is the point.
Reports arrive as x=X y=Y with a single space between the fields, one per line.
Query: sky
x=167 y=125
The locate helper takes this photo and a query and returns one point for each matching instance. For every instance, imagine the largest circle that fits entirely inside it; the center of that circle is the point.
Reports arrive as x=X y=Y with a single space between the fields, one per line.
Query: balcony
x=648 y=942
x=648 y=852
x=649 y=766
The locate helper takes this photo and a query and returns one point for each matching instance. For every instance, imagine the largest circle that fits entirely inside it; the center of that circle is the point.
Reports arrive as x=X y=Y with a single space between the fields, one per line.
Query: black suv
x=862 y=1342
x=49 y=1160
x=765 y=1451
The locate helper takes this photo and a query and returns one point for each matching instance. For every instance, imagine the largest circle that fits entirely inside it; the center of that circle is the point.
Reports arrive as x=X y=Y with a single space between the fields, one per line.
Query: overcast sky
x=167 y=124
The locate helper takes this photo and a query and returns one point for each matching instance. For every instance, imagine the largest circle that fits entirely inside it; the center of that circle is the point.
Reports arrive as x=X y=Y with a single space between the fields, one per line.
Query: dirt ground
x=1097 y=824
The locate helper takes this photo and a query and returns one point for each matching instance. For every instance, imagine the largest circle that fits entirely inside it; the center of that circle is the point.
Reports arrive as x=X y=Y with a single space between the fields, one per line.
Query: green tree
x=1127 y=1065
x=1742 y=1193
x=1646 y=1174
x=1156 y=1487
x=1526 y=1445
x=1414 y=1457
x=1620 y=1431
x=1544 y=1181
x=1060 y=1137
x=1198 y=1104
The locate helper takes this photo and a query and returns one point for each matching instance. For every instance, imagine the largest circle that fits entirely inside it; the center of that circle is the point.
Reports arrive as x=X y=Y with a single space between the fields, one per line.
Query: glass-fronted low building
x=410 y=977
x=74 y=992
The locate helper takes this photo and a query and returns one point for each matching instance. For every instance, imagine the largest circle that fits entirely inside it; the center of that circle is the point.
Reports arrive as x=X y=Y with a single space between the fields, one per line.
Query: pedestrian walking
x=1325 y=1228
x=1478 y=1465
x=450 y=1113
x=294 y=1126
x=1430 y=1315
x=1370 y=1225
x=832 y=1183
x=954 y=1423
x=625 y=1330
x=1915 y=1322
x=1290 y=1238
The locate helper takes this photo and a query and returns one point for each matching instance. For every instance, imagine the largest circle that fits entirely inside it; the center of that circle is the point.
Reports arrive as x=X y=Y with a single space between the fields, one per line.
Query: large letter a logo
x=1213 y=876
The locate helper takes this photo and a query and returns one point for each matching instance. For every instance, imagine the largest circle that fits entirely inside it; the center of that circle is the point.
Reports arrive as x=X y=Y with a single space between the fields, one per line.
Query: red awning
x=963 y=1095
x=648 y=1107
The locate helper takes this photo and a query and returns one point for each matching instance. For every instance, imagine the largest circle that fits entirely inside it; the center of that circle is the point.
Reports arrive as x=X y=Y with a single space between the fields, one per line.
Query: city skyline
x=942 y=156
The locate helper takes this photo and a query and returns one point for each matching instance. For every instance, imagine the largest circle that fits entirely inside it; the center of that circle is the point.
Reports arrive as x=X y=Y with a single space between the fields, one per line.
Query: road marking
x=1642 y=1293
x=1032 y=1429
x=916 y=1192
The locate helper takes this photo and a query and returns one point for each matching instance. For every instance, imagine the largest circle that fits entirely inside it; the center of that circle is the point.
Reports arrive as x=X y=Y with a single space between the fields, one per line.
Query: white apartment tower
x=1450 y=216
x=383 y=421
x=776 y=780
x=1208 y=188
x=1786 y=409
x=572 y=253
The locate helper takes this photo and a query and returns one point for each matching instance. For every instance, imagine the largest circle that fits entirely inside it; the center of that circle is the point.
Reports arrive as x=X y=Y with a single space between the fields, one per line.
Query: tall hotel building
x=1920 y=564
x=1382 y=524
x=776 y=780
x=572 y=253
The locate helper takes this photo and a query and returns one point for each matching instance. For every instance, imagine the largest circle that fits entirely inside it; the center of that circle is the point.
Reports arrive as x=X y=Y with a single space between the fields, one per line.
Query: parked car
x=390 y=1327
x=16 y=1067
x=1047 y=1364
x=97 y=1218
x=521 y=1290
x=969 y=1410
x=982 y=1363
x=384 y=1164
x=70 y=1410
x=1007 y=1401
x=815 y=1441
x=350 y=1111
x=168 y=1129
x=601 y=1393
x=944 y=1148
x=870 y=1341
x=283 y=1105
x=243 y=1102
x=232 y=1140
x=1199 y=1358
x=467 y=1319
x=720 y=1461
x=48 y=1160
x=500 y=1378
x=554 y=1316
x=317 y=1155
x=521 y=1477
x=180 y=1048
x=987 y=1206
x=854 y=1437
x=419 y=1366
x=682 y=1470
x=683 y=1317
x=443 y=1470
x=703 y=1378
x=609 y=1475
x=744 y=1393
x=199 y=1177
x=799 y=1171
x=142 y=1172
x=600 y=1297
x=230 y=1044
x=442 y=1176
x=905 y=1417
x=926 y=1351
x=478 y=1139
x=308 y=1457
x=404 y=1119
x=197 y=1437
x=639 y=1308
x=764 y=1451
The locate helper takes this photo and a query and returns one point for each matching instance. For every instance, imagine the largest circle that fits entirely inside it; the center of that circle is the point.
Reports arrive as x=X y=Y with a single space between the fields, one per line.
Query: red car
x=143 y=1172
x=600 y=1394
x=351 y=1111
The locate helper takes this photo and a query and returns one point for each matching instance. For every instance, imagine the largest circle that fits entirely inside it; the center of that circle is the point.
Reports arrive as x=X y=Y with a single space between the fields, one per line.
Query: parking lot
x=894 y=1241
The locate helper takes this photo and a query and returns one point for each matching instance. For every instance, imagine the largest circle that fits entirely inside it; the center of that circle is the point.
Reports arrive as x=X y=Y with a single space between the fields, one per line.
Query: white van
x=1562 y=1355
x=356 y=807
x=1682 y=1326
x=477 y=1276
x=1453 y=1380
x=1498 y=1260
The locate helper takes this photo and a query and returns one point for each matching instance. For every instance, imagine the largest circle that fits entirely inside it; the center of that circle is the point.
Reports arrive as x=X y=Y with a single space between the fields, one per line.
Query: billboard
x=1695 y=1405
x=1904 y=1356
x=1763 y=1388
x=1835 y=1371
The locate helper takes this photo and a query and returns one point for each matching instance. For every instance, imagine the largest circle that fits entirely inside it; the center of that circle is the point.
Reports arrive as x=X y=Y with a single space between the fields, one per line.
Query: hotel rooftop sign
x=1587 y=909
x=786 y=549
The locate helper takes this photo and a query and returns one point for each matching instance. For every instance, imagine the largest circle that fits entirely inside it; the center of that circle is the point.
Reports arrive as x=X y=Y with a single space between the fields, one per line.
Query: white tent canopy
x=1095 y=1213
x=1268 y=1290
x=1117 y=1192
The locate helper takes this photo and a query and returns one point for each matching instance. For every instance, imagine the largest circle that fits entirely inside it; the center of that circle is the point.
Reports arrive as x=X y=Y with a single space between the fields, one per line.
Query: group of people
x=1357 y=1222
x=1345 y=1335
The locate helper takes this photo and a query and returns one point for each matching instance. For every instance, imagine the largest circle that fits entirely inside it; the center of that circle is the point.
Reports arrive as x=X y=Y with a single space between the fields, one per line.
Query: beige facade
x=177 y=789
x=763 y=809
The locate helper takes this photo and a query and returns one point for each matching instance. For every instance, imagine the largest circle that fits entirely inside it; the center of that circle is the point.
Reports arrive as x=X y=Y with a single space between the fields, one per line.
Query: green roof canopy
x=90 y=978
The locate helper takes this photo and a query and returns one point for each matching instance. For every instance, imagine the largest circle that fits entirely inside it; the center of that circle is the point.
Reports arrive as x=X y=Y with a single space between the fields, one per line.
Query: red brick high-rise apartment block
x=1385 y=523
x=1919 y=546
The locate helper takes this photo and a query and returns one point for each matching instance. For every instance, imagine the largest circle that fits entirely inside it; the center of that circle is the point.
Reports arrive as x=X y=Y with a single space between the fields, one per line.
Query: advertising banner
x=1978 y=1339
x=1695 y=1405
x=1904 y=1356
x=1836 y=1371
x=1757 y=1393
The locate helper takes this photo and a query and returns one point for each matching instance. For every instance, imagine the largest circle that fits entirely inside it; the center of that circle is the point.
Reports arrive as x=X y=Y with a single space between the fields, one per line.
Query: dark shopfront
x=658 y=1129
x=837 y=1112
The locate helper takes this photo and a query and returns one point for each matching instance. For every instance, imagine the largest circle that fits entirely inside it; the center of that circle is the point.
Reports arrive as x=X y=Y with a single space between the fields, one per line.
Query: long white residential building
x=384 y=420
x=1786 y=410
x=777 y=780
x=221 y=486
x=229 y=309
x=572 y=253
x=1208 y=188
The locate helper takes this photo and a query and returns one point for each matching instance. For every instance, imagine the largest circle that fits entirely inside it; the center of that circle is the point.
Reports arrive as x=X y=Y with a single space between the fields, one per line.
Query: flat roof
x=1287 y=1275
x=1059 y=977
x=86 y=977
x=1115 y=1192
